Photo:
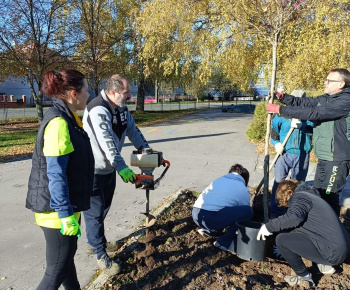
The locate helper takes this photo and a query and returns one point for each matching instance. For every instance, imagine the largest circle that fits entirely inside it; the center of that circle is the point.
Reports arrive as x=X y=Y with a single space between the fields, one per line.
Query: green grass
x=18 y=120
x=17 y=136
x=152 y=117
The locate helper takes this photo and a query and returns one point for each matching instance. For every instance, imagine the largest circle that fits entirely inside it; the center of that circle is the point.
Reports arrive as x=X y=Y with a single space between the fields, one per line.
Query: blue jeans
x=214 y=222
x=100 y=203
x=60 y=267
x=298 y=166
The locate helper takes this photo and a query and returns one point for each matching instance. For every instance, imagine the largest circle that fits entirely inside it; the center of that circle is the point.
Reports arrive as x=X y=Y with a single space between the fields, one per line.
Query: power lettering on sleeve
x=107 y=135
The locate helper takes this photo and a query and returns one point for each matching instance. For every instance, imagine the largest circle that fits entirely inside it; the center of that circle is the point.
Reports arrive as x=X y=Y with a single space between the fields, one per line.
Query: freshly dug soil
x=174 y=256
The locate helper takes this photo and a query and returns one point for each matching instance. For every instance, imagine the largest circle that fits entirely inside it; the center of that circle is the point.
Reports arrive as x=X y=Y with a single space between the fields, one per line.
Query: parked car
x=132 y=100
x=165 y=98
x=240 y=108
x=217 y=96
x=148 y=99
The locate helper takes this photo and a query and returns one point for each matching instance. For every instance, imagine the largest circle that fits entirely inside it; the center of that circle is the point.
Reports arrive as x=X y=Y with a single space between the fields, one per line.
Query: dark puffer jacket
x=80 y=168
x=309 y=214
x=330 y=115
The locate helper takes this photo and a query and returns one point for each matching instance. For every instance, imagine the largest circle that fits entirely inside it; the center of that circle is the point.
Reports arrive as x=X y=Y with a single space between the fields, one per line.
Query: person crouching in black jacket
x=316 y=232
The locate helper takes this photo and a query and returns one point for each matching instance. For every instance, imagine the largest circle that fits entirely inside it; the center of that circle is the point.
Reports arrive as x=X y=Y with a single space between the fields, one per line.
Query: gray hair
x=344 y=74
x=115 y=83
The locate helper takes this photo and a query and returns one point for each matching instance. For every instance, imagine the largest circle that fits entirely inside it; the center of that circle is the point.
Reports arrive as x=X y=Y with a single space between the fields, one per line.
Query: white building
x=16 y=87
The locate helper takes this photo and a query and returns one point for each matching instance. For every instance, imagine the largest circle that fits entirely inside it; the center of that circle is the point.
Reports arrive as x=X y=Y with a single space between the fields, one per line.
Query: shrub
x=257 y=129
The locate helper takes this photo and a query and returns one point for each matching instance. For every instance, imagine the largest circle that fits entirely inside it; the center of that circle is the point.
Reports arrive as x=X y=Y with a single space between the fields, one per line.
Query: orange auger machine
x=147 y=161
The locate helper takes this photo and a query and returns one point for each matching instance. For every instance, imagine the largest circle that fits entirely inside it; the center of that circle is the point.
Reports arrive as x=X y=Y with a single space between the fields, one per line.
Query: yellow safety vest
x=56 y=143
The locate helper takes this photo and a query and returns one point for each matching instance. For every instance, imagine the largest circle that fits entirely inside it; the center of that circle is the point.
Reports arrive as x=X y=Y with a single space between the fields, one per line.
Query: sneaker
x=326 y=269
x=108 y=266
x=216 y=244
x=296 y=280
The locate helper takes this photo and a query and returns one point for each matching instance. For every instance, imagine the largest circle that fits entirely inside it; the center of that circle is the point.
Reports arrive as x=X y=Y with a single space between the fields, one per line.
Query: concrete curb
x=131 y=240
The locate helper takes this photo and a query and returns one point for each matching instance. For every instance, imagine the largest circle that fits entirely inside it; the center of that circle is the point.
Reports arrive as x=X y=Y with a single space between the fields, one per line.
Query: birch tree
x=240 y=36
x=311 y=50
x=29 y=43
x=101 y=48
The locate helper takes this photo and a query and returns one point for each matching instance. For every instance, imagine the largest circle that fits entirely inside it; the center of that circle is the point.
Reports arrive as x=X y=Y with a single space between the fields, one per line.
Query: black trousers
x=330 y=178
x=293 y=246
x=60 y=268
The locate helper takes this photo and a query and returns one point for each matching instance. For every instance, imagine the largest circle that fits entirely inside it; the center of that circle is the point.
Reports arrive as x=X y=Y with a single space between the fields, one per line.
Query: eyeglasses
x=121 y=93
x=332 y=81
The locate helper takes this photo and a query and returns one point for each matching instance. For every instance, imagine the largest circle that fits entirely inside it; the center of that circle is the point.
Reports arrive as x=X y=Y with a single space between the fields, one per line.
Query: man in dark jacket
x=330 y=114
x=306 y=234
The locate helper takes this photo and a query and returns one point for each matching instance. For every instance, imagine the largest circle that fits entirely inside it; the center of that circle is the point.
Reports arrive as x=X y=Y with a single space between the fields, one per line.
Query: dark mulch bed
x=175 y=256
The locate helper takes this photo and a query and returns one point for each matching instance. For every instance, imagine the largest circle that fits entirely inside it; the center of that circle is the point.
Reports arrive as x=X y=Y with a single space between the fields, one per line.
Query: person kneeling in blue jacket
x=224 y=202
x=314 y=231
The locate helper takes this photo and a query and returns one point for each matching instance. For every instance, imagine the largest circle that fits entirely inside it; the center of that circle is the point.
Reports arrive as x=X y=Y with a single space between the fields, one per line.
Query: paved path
x=200 y=147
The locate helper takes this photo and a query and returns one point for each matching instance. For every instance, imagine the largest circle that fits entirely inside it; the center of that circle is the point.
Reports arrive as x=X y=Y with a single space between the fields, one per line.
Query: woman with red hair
x=60 y=183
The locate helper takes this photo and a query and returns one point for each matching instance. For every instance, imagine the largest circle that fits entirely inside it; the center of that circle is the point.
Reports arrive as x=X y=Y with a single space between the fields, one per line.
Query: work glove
x=263 y=233
x=279 y=148
x=279 y=95
x=127 y=175
x=273 y=108
x=295 y=123
x=279 y=92
x=70 y=226
x=277 y=252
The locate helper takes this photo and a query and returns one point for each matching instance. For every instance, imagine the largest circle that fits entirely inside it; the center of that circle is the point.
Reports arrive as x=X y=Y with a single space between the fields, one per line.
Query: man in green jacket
x=330 y=114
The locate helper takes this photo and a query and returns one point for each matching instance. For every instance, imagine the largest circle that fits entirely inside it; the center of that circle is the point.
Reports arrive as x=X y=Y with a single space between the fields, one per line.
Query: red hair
x=58 y=83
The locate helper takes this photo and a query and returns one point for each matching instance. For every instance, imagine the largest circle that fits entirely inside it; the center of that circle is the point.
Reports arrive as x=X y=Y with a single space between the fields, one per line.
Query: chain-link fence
x=10 y=113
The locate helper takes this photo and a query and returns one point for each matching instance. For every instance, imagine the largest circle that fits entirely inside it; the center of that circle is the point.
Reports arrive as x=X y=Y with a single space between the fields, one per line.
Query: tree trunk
x=38 y=98
x=140 y=107
x=96 y=91
x=95 y=81
x=156 y=94
x=39 y=106
x=268 y=129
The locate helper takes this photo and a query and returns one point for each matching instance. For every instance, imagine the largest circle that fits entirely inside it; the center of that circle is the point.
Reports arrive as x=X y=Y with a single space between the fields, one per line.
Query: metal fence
x=8 y=113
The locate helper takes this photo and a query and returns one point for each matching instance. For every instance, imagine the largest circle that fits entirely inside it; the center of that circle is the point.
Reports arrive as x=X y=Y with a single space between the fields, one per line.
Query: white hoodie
x=107 y=128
